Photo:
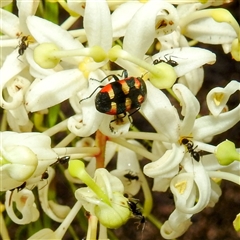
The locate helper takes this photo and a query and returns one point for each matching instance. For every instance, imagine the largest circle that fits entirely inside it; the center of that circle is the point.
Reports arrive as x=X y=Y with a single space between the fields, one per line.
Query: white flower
x=218 y=97
x=192 y=183
x=24 y=156
x=103 y=197
x=14 y=27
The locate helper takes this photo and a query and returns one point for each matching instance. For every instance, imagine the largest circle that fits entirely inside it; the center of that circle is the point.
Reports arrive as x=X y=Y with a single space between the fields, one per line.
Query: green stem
x=77 y=169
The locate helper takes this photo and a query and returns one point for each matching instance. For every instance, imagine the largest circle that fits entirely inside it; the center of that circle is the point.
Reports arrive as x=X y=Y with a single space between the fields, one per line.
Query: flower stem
x=224 y=175
x=92 y=228
x=148 y=203
x=77 y=169
x=101 y=143
x=135 y=148
x=61 y=230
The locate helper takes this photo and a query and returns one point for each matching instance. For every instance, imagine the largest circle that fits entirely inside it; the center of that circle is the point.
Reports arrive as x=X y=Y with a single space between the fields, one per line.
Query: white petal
x=202 y=181
x=190 y=108
x=108 y=182
x=22 y=161
x=145 y=31
x=167 y=166
x=85 y=125
x=45 y=233
x=16 y=67
x=122 y=16
x=8 y=183
x=97 y=24
x=9 y=23
x=217 y=98
x=127 y=159
x=188 y=58
x=158 y=110
x=170 y=233
x=112 y=128
x=25 y=9
x=46 y=31
x=216 y=192
x=209 y=126
x=193 y=80
x=161 y=184
x=209 y=31
x=54 y=89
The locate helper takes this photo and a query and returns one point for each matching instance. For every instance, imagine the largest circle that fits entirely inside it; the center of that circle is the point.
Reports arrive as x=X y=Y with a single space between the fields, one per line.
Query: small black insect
x=168 y=61
x=189 y=145
x=131 y=176
x=23 y=45
x=136 y=212
x=45 y=175
x=19 y=188
x=61 y=160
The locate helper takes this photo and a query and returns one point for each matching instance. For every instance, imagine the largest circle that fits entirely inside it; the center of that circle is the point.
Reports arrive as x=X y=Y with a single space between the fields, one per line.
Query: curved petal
x=217 y=98
x=55 y=211
x=24 y=200
x=187 y=58
x=9 y=23
x=84 y=126
x=188 y=191
x=216 y=192
x=158 y=110
x=209 y=126
x=190 y=108
x=207 y=30
x=18 y=161
x=193 y=80
x=97 y=24
x=7 y=76
x=114 y=127
x=169 y=233
x=26 y=9
x=54 y=89
x=127 y=170
x=162 y=20
x=120 y=23
x=161 y=184
x=45 y=233
x=167 y=166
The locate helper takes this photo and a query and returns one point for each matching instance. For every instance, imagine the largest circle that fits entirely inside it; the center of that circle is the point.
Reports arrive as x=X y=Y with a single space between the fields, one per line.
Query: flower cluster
x=129 y=56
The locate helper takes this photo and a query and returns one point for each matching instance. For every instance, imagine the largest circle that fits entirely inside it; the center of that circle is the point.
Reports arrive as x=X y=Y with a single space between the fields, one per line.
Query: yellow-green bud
x=115 y=215
x=226 y=153
x=42 y=55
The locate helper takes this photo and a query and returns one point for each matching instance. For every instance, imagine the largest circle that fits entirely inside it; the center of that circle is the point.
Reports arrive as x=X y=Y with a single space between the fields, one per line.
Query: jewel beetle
x=121 y=96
